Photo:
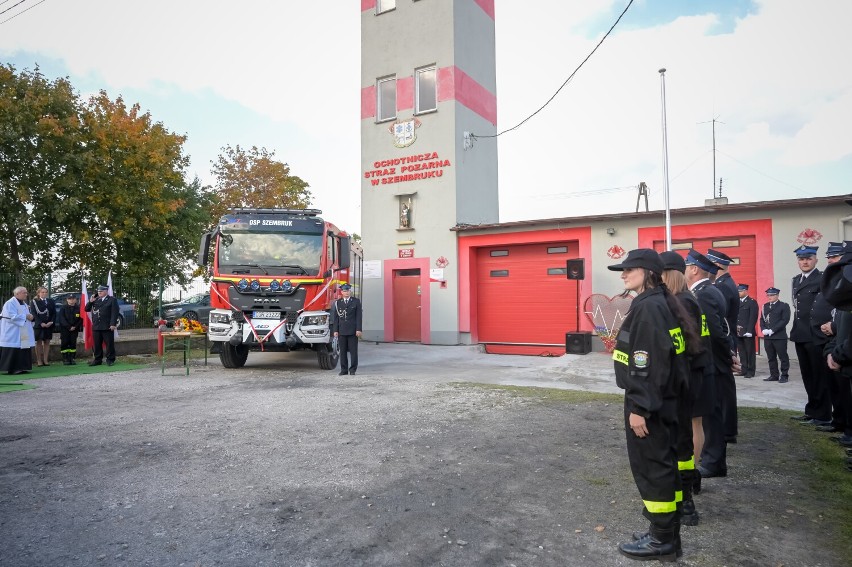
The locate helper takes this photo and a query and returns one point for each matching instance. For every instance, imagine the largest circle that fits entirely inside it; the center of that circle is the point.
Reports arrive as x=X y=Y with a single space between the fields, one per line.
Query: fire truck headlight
x=255 y=285
x=243 y=285
x=274 y=285
x=223 y=318
x=315 y=320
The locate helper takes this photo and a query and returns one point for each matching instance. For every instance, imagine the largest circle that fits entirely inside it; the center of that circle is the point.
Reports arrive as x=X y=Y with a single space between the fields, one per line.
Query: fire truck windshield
x=275 y=252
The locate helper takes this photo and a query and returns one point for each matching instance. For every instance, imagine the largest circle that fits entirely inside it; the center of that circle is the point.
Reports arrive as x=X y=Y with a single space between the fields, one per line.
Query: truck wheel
x=326 y=357
x=233 y=356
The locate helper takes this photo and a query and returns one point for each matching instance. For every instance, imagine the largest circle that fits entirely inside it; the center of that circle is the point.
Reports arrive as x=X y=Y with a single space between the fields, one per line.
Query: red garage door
x=741 y=249
x=525 y=303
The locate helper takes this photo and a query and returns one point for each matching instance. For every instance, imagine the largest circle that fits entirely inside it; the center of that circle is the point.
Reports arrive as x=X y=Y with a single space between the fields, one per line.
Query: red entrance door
x=406 y=305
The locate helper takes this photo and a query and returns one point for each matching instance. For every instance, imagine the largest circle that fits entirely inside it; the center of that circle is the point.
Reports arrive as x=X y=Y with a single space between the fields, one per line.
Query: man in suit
x=104 y=311
x=346 y=318
x=773 y=325
x=712 y=302
x=728 y=287
x=746 y=322
x=817 y=385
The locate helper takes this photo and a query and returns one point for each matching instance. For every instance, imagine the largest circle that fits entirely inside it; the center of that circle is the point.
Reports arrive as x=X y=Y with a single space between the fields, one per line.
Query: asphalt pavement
x=592 y=372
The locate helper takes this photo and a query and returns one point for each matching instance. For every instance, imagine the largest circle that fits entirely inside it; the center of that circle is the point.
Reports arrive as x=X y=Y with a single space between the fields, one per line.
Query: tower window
x=386 y=91
x=427 y=98
x=385 y=6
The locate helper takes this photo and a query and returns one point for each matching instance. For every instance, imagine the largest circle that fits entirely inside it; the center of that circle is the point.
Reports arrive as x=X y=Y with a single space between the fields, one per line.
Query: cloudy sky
x=285 y=76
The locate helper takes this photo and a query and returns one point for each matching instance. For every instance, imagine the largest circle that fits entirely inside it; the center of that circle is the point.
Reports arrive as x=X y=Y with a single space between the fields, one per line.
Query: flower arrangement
x=190 y=325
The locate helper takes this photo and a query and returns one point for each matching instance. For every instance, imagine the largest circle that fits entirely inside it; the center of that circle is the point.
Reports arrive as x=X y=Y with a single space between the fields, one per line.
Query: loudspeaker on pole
x=576 y=269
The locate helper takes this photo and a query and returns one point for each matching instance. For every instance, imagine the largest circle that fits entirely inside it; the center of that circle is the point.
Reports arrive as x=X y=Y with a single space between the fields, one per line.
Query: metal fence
x=140 y=300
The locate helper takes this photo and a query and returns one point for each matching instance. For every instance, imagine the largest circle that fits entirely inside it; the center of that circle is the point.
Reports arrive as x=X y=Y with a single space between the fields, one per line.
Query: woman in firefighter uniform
x=69 y=322
x=651 y=367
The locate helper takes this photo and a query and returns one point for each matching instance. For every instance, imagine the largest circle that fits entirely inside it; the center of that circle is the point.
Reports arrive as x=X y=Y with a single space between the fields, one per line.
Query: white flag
x=109 y=293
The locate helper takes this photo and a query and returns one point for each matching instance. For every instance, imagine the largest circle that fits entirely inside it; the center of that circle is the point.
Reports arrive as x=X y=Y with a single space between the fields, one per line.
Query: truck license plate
x=266 y=315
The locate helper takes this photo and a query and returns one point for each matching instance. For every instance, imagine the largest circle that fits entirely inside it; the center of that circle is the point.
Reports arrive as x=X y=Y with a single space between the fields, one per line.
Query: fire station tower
x=428 y=79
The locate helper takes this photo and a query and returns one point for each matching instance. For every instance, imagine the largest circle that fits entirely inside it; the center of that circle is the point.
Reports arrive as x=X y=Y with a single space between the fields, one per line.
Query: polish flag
x=109 y=293
x=86 y=316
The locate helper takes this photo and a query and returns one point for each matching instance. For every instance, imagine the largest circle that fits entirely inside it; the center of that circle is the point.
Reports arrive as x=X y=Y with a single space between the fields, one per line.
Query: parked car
x=195 y=307
x=126 y=309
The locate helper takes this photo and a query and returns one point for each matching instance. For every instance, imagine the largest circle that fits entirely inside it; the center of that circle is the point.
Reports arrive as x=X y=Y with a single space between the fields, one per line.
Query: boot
x=72 y=357
x=689 y=516
x=660 y=544
x=66 y=359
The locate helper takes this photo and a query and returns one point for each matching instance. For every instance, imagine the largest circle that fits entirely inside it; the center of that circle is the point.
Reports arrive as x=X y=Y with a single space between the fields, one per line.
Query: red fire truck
x=275 y=273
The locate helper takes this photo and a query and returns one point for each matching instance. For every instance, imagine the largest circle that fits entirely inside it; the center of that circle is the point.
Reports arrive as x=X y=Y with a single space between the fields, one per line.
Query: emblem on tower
x=404 y=132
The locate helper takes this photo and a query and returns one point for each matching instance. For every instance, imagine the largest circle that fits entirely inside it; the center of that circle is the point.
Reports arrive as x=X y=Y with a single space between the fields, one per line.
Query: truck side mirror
x=204 y=249
x=345 y=253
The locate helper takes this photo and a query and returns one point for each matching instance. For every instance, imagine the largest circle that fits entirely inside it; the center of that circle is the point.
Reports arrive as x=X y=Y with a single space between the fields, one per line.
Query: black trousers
x=68 y=341
x=714 y=458
x=777 y=350
x=726 y=393
x=842 y=400
x=747 y=355
x=348 y=352
x=816 y=379
x=104 y=338
x=653 y=462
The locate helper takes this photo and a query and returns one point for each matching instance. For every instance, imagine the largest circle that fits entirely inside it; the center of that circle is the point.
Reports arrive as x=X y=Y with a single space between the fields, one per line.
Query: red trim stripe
x=368 y=5
x=368 y=102
x=405 y=93
x=486 y=5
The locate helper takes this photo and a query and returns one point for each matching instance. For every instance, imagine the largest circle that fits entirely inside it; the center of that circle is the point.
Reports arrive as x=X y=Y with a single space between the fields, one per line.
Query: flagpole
x=666 y=161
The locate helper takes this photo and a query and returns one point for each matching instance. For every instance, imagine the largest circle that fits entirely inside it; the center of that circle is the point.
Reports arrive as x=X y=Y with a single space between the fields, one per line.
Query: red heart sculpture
x=606 y=314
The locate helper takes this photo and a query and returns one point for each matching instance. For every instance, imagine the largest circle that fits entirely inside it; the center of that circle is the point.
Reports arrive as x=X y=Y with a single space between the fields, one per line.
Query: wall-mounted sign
x=372 y=269
x=405 y=169
x=406 y=253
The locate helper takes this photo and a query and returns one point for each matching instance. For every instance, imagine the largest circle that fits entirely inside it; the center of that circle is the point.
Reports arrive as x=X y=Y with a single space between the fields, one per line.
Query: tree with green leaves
x=41 y=149
x=254 y=178
x=96 y=186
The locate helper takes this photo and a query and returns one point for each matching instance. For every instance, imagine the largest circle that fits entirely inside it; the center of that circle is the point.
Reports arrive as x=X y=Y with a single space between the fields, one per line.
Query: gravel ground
x=407 y=463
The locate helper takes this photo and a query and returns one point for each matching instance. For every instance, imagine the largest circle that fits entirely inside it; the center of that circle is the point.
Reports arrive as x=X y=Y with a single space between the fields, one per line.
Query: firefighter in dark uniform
x=824 y=328
x=651 y=367
x=727 y=390
x=811 y=362
x=837 y=289
x=346 y=315
x=69 y=322
x=746 y=323
x=714 y=457
x=773 y=325
x=690 y=400
x=104 y=311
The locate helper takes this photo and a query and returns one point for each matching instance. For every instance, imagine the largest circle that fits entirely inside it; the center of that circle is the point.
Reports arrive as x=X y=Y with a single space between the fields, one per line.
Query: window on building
x=386 y=91
x=681 y=245
x=495 y=253
x=385 y=6
x=557 y=271
x=725 y=243
x=557 y=250
x=499 y=273
x=426 y=90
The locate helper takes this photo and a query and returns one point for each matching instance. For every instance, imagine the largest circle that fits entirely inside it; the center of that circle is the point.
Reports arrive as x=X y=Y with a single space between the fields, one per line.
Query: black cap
x=718 y=257
x=345 y=287
x=696 y=258
x=834 y=249
x=640 y=258
x=742 y=287
x=673 y=261
x=103 y=288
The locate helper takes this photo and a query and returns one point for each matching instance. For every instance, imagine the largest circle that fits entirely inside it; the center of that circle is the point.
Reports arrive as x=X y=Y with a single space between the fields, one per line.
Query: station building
x=439 y=266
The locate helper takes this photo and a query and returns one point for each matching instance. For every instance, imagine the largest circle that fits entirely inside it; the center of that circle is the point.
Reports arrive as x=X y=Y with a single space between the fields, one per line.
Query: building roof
x=703 y=210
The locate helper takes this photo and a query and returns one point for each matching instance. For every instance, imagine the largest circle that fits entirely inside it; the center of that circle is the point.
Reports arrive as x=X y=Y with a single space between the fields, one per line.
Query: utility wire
x=21 y=12
x=12 y=6
x=806 y=192
x=521 y=123
x=4 y=1
x=586 y=193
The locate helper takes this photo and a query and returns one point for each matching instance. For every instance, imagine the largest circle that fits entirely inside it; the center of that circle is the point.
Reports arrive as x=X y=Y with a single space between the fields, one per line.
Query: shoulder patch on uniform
x=641 y=359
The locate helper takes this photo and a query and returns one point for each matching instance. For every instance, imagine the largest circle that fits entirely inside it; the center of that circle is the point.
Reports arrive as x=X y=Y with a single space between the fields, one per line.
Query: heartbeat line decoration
x=607 y=314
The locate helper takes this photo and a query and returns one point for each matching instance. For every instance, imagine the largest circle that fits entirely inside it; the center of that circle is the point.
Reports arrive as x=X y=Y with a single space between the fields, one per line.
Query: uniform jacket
x=804 y=295
x=650 y=359
x=104 y=313
x=725 y=284
x=346 y=317
x=713 y=306
x=700 y=365
x=775 y=318
x=821 y=312
x=15 y=330
x=69 y=316
x=840 y=345
x=43 y=311
x=747 y=317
